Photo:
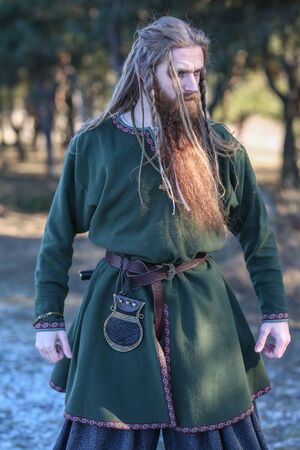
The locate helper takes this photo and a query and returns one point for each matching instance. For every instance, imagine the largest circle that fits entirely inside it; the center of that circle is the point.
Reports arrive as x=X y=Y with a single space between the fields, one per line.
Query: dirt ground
x=31 y=413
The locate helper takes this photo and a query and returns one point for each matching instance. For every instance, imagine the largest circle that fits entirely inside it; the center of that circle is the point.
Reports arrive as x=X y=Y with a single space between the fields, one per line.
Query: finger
x=44 y=353
x=285 y=347
x=50 y=354
x=269 y=350
x=65 y=345
x=260 y=343
x=279 y=348
x=272 y=351
x=59 y=351
x=59 y=348
x=54 y=355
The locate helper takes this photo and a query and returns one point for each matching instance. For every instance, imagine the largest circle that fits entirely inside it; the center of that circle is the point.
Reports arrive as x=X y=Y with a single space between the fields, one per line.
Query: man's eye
x=180 y=73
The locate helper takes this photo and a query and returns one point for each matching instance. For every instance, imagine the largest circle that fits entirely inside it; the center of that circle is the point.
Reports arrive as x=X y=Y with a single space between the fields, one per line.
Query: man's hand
x=280 y=332
x=53 y=345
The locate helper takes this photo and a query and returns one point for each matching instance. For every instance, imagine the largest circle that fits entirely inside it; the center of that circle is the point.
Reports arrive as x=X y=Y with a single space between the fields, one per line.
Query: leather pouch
x=122 y=328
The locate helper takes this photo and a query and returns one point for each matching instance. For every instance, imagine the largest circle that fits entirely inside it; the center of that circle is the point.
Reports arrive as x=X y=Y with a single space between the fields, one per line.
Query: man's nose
x=190 y=85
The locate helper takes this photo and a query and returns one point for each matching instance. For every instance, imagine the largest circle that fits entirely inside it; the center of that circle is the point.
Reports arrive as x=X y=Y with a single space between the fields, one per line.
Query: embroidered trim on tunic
x=116 y=121
x=275 y=316
x=228 y=422
x=144 y=426
x=45 y=325
x=164 y=360
x=56 y=387
x=119 y=425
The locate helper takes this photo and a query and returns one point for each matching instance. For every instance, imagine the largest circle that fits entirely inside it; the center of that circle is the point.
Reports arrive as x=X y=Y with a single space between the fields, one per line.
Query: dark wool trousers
x=243 y=435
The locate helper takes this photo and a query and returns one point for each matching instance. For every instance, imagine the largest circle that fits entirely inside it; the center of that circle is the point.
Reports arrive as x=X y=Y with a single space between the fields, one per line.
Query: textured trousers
x=243 y=435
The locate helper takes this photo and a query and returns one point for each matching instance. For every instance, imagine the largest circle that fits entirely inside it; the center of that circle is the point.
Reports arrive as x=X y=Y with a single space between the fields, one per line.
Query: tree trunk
x=227 y=80
x=70 y=110
x=289 y=172
x=289 y=169
x=19 y=144
x=114 y=40
x=218 y=94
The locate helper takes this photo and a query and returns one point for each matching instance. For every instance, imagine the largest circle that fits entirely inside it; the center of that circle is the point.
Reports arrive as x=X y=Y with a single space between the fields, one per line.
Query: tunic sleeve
x=250 y=226
x=69 y=214
x=248 y=221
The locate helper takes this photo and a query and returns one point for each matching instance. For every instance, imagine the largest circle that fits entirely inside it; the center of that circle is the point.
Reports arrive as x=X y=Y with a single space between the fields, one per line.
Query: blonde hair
x=152 y=44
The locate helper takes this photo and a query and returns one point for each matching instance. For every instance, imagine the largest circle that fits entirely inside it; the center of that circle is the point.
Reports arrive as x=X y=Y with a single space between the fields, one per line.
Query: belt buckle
x=171 y=270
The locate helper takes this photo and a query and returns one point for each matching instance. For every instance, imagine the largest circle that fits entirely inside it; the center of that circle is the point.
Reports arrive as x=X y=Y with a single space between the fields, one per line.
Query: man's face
x=187 y=62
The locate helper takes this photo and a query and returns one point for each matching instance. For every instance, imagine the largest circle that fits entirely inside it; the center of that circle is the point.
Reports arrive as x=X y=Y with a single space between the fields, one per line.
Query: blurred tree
x=80 y=47
x=222 y=22
x=275 y=41
x=29 y=37
x=33 y=39
x=258 y=34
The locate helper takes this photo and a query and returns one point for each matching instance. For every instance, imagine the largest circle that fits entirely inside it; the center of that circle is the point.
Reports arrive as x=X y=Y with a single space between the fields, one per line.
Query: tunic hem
x=144 y=426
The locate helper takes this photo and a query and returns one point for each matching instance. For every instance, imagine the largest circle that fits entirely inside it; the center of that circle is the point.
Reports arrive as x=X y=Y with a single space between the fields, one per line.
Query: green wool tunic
x=205 y=374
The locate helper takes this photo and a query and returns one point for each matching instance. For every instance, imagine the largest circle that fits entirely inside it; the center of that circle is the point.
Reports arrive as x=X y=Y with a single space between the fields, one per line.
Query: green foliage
x=41 y=28
x=98 y=35
x=251 y=95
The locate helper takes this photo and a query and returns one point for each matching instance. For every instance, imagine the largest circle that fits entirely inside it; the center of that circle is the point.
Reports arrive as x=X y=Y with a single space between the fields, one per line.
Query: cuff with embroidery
x=275 y=317
x=50 y=321
x=50 y=325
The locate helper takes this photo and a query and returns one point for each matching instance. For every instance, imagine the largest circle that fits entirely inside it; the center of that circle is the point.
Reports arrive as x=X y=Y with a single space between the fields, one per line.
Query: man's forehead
x=188 y=57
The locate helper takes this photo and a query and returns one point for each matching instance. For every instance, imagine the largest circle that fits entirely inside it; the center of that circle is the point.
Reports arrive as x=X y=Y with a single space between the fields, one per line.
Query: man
x=160 y=340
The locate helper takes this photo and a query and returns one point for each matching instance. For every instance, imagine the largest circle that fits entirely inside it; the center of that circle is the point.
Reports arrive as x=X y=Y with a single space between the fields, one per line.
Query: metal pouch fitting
x=122 y=328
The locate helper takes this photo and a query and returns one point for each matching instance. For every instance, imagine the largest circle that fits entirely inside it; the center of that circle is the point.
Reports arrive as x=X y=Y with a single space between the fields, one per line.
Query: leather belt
x=145 y=273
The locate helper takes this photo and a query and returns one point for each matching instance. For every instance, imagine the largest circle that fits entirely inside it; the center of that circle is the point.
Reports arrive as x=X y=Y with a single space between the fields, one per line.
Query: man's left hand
x=280 y=332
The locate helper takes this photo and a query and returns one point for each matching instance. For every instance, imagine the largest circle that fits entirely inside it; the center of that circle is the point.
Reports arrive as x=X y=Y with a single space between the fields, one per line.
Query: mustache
x=193 y=97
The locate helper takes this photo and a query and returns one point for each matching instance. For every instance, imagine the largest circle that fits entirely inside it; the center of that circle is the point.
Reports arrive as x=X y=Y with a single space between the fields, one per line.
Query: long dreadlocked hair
x=152 y=44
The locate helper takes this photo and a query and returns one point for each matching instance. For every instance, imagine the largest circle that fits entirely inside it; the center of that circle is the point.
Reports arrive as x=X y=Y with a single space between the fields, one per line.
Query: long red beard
x=193 y=175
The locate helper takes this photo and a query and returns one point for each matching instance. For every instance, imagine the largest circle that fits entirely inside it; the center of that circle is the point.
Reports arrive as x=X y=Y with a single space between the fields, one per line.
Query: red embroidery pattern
x=56 y=387
x=119 y=425
x=117 y=122
x=261 y=392
x=167 y=339
x=45 y=325
x=228 y=422
x=165 y=368
x=275 y=316
x=145 y=426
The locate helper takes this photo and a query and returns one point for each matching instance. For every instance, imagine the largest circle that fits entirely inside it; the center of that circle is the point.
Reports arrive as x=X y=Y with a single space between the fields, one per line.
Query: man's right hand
x=53 y=345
